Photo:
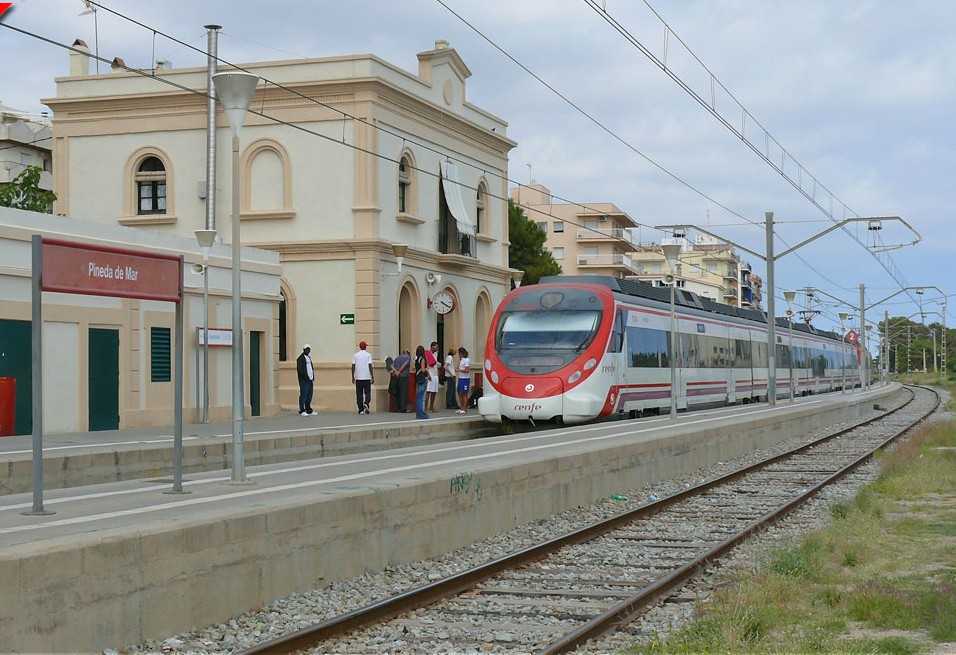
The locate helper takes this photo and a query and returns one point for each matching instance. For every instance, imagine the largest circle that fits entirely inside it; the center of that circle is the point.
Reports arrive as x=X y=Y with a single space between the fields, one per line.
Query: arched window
x=404 y=185
x=151 y=186
x=266 y=186
x=480 y=200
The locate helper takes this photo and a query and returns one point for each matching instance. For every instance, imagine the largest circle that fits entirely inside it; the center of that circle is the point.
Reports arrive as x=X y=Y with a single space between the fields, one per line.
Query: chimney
x=79 y=59
x=118 y=65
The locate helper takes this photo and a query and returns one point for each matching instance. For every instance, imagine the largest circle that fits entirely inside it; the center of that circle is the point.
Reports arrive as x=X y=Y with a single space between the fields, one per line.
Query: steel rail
x=425 y=595
x=628 y=609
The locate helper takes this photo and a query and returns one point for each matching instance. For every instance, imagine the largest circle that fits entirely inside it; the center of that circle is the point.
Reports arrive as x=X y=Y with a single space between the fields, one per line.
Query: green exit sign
x=346 y=319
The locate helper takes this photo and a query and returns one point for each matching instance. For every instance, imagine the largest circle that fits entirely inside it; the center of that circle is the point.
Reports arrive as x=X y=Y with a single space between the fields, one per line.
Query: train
x=575 y=349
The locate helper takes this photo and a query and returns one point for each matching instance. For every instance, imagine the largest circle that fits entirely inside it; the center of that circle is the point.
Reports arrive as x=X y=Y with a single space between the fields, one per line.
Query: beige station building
x=341 y=159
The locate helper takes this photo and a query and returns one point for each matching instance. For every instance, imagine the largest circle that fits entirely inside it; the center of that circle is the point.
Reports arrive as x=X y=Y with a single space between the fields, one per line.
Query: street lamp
x=843 y=317
x=205 y=238
x=671 y=250
x=234 y=90
x=516 y=277
x=789 y=296
x=399 y=250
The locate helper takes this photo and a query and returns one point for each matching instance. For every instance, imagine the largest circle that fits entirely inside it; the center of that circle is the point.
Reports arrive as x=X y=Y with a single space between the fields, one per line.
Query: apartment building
x=25 y=140
x=589 y=239
x=707 y=266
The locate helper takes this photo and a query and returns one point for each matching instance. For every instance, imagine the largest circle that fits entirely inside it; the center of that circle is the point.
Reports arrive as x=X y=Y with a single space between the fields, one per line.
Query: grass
x=879 y=578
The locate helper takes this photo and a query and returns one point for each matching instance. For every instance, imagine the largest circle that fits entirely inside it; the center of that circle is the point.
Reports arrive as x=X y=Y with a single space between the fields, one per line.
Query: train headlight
x=591 y=363
x=574 y=377
x=551 y=299
x=487 y=364
x=494 y=377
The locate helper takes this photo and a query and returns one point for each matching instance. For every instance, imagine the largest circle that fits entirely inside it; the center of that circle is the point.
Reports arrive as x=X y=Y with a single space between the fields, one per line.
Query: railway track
x=557 y=595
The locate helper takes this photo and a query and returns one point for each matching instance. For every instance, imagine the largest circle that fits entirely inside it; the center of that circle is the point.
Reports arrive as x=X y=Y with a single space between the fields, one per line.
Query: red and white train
x=576 y=348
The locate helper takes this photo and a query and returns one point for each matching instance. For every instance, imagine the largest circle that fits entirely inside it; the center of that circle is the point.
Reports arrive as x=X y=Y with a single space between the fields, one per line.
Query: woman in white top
x=450 y=401
x=431 y=358
x=464 y=380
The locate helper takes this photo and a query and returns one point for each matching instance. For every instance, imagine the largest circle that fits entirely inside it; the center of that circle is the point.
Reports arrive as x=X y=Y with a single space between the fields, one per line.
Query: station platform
x=124 y=561
x=83 y=458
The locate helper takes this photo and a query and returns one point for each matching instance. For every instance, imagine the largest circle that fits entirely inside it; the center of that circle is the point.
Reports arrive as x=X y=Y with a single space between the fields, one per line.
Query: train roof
x=640 y=289
x=683 y=298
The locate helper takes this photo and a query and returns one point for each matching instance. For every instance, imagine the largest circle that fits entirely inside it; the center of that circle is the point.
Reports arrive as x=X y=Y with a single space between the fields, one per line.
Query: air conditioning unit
x=582 y=262
x=602 y=218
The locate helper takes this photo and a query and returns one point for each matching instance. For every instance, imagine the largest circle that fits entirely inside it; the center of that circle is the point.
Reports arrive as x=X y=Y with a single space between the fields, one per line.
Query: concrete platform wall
x=134 y=461
x=118 y=589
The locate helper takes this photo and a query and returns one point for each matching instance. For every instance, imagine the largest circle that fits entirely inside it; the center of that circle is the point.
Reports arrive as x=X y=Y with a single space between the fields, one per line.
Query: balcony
x=721 y=256
x=615 y=261
x=616 y=234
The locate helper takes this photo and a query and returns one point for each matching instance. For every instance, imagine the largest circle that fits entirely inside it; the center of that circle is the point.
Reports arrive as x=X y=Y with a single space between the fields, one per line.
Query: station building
x=107 y=362
x=342 y=159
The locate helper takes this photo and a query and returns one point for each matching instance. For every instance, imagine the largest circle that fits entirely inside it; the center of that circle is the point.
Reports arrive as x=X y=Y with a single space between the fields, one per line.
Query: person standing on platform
x=303 y=366
x=401 y=367
x=363 y=377
x=421 y=382
x=464 y=380
x=450 y=402
x=431 y=358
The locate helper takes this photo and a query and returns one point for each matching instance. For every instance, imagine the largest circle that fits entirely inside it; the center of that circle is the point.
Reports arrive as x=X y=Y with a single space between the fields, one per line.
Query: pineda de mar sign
x=87 y=269
x=102 y=271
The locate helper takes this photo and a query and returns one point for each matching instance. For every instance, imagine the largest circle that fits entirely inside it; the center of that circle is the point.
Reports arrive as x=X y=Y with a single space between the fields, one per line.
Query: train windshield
x=544 y=341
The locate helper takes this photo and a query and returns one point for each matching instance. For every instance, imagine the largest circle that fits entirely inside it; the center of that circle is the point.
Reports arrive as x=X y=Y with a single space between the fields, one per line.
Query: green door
x=16 y=352
x=104 y=379
x=255 y=345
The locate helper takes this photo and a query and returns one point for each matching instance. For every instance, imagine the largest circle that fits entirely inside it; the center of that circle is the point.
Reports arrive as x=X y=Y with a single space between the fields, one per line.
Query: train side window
x=743 y=359
x=647 y=348
x=616 y=344
x=688 y=351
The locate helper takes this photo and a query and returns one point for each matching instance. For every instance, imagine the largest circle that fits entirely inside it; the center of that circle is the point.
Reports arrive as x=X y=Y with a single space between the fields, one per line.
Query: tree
x=527 y=252
x=25 y=192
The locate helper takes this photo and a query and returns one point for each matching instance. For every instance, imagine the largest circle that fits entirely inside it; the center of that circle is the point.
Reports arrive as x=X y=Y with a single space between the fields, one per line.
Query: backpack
x=473 y=398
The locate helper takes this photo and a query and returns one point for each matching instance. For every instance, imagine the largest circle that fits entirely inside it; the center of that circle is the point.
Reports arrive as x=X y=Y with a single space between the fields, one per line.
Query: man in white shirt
x=363 y=377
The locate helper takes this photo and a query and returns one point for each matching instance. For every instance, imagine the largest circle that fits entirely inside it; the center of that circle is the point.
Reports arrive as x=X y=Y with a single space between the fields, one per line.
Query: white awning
x=456 y=204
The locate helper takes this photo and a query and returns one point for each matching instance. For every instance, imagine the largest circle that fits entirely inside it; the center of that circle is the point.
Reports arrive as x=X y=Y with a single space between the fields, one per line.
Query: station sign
x=102 y=271
x=217 y=337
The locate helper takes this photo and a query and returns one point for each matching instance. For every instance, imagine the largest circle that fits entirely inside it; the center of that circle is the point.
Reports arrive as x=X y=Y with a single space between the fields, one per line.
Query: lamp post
x=671 y=250
x=789 y=296
x=234 y=90
x=843 y=317
x=205 y=238
x=919 y=292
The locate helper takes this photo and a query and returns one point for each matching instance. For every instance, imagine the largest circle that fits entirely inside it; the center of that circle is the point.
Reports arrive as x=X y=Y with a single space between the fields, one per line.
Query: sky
x=853 y=100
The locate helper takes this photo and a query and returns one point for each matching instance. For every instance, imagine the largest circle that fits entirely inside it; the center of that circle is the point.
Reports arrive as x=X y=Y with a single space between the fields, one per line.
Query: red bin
x=8 y=406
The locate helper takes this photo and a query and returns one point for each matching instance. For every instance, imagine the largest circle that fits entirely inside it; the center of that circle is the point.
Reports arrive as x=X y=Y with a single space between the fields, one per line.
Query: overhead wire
x=385 y=130
x=602 y=12
x=617 y=137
